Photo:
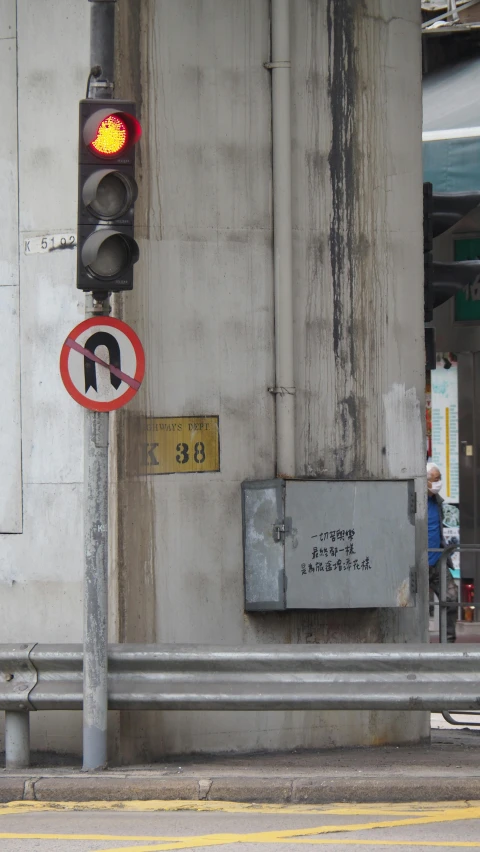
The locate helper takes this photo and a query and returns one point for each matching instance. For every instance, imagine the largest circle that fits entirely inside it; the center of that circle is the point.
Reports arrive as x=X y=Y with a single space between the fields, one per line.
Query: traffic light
x=107 y=192
x=427 y=252
x=441 y=211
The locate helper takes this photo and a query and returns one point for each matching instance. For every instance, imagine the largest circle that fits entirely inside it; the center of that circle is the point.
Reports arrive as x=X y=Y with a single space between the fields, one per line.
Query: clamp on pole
x=280 y=64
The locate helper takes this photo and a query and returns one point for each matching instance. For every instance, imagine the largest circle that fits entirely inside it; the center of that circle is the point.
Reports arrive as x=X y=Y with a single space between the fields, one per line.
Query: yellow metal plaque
x=182 y=445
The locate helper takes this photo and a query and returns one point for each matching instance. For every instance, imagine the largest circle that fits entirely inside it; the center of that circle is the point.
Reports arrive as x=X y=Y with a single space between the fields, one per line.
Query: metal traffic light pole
x=95 y=612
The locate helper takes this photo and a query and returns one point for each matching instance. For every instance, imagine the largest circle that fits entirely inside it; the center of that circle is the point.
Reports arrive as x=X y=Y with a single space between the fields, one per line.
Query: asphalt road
x=142 y=826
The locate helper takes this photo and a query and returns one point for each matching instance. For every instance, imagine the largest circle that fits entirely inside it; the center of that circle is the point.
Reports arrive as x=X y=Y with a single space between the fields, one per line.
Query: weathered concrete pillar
x=357 y=182
x=203 y=305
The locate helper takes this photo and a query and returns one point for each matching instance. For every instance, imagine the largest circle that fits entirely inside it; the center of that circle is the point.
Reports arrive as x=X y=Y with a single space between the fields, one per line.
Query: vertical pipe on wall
x=282 y=224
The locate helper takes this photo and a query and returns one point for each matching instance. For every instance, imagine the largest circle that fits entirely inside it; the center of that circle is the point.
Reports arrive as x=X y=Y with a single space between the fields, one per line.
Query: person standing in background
x=436 y=541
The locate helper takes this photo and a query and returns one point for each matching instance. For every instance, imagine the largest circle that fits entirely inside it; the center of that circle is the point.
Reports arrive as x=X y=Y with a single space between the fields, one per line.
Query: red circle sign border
x=139 y=372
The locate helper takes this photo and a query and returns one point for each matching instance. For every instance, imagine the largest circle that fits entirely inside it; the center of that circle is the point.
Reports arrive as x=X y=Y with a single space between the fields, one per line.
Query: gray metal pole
x=95 y=613
x=17 y=739
x=442 y=614
x=102 y=46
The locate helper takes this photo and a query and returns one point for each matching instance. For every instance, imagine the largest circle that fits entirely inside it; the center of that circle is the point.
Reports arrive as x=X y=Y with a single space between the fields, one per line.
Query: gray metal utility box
x=319 y=544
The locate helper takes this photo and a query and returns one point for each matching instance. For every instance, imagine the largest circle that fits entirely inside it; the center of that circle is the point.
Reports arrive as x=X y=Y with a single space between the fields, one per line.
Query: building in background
x=451 y=155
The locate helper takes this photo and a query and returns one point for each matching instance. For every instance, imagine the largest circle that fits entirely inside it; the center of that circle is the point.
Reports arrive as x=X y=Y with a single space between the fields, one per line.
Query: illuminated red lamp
x=111 y=138
x=109 y=134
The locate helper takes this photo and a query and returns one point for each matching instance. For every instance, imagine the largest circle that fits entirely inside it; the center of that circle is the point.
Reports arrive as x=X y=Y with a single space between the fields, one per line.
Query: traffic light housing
x=441 y=211
x=107 y=191
x=427 y=252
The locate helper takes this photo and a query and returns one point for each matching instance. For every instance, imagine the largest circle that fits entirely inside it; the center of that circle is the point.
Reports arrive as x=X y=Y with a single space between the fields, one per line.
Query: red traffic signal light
x=107 y=192
x=108 y=133
x=111 y=138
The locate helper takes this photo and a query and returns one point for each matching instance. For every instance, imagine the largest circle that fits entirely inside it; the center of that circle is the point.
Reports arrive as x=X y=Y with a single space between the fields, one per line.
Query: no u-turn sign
x=102 y=363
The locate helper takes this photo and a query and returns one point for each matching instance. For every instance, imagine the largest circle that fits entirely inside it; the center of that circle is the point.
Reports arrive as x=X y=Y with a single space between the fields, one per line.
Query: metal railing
x=451 y=15
x=444 y=605
x=258 y=677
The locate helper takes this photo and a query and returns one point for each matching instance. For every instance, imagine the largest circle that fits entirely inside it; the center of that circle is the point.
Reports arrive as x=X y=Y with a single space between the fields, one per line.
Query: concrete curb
x=320 y=789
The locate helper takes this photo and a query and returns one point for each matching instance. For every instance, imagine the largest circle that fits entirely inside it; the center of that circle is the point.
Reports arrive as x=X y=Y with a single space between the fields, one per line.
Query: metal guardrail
x=451 y=721
x=443 y=607
x=258 y=677
x=443 y=604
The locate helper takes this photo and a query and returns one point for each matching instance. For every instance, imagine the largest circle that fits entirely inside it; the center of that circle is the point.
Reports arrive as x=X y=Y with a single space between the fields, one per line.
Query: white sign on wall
x=445 y=429
x=49 y=242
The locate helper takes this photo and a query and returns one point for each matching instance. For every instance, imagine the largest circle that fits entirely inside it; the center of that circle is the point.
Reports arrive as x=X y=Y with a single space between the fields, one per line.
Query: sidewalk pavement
x=446 y=770
x=467 y=631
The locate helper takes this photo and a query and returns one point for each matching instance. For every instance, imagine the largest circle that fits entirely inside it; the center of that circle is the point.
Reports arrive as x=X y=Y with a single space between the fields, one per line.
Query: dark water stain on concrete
x=136 y=600
x=136 y=568
x=342 y=84
x=132 y=35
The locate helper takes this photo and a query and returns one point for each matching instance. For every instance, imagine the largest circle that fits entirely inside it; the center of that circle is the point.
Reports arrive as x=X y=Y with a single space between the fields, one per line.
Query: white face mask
x=435 y=487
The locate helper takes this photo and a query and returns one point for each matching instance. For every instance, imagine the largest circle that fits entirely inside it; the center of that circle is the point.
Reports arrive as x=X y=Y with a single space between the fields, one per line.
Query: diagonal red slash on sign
x=116 y=372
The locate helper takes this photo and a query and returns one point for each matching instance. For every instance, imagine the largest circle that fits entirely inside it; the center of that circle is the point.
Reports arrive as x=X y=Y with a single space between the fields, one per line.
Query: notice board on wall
x=444 y=420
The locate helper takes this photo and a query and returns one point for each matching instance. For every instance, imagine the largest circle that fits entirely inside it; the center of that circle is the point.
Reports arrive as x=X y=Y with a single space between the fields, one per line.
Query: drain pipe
x=282 y=237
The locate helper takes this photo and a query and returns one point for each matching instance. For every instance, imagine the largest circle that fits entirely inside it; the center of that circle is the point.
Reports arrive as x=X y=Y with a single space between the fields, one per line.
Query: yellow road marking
x=11 y=835
x=183 y=842
x=416 y=813
x=442 y=843
x=295 y=835
x=160 y=805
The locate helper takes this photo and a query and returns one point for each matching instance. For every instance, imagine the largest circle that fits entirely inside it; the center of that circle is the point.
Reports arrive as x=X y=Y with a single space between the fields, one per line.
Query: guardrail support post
x=17 y=739
x=442 y=614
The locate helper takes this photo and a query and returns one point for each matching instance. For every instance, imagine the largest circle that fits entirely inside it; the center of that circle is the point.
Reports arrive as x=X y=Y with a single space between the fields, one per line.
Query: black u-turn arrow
x=101 y=338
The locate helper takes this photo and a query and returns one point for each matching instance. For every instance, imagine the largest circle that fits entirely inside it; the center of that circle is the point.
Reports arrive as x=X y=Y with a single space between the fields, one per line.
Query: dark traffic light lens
x=108 y=194
x=107 y=254
x=113 y=255
x=114 y=196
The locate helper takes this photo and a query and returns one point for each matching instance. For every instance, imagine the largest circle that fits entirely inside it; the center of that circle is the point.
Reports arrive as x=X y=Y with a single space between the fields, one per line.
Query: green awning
x=451 y=159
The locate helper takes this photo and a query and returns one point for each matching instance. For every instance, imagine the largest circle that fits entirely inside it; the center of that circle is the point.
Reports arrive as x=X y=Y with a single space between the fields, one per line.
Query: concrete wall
x=41 y=565
x=203 y=305
x=359 y=330
x=10 y=446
